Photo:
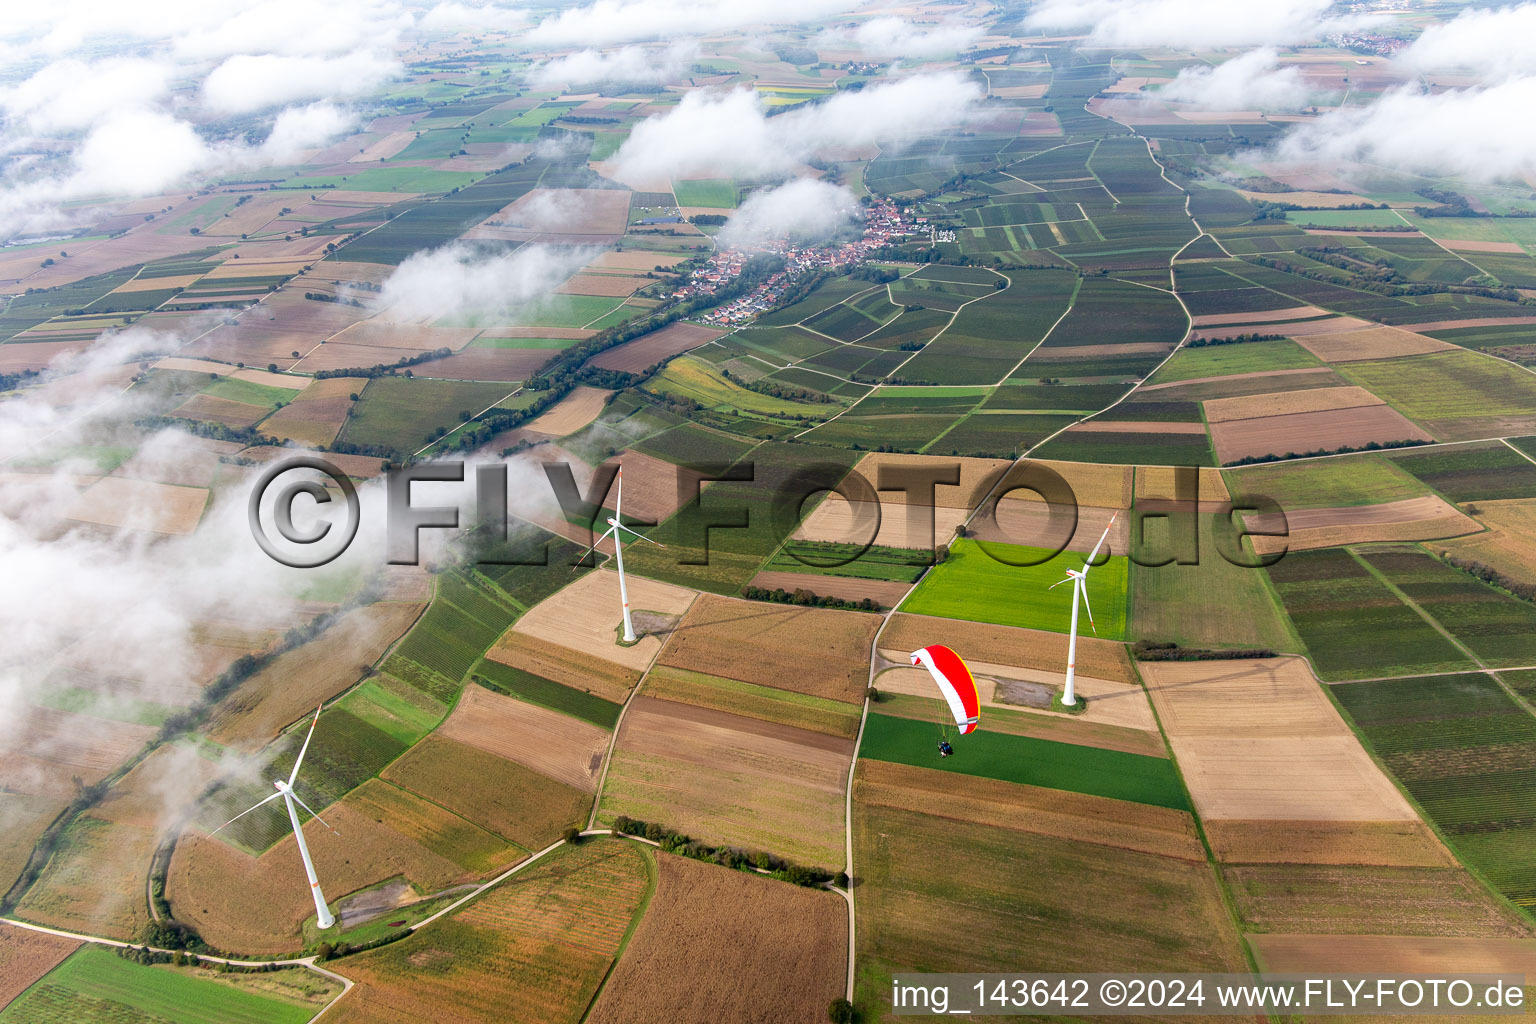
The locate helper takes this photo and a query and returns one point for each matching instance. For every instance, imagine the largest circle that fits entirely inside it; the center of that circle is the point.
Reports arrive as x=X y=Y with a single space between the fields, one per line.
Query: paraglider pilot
x=945 y=749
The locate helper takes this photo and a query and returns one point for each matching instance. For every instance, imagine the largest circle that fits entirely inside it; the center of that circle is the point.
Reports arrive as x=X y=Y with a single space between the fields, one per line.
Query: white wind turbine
x=1079 y=580
x=285 y=790
x=615 y=524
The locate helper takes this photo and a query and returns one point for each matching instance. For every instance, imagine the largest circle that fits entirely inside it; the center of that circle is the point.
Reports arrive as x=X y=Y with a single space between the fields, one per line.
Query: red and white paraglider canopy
x=955 y=682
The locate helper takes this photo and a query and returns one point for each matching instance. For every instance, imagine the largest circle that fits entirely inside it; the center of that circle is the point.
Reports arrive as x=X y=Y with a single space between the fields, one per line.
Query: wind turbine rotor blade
x=1082 y=588
x=243 y=813
x=601 y=537
x=641 y=536
x=300 y=759
x=312 y=814
x=1058 y=583
x=618 y=501
x=1102 y=539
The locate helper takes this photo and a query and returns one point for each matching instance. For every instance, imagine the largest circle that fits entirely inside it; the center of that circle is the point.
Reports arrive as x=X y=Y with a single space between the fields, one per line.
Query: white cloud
x=1253 y=81
x=471 y=284
x=1493 y=43
x=729 y=132
x=803 y=208
x=249 y=82
x=460 y=17
x=1193 y=24
x=1467 y=133
x=895 y=38
x=302 y=128
x=68 y=95
x=617 y=21
x=627 y=64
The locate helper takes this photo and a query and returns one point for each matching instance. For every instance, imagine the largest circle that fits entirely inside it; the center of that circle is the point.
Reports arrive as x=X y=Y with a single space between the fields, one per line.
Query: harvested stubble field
x=649 y=349
x=1081 y=817
x=1117 y=909
x=94 y=882
x=1395 y=954
x=124 y=503
x=1284 y=403
x=1259 y=740
x=723 y=945
x=559 y=746
x=534 y=949
x=466 y=844
x=26 y=956
x=256 y=904
x=815 y=651
x=1004 y=645
x=23 y=817
x=1428 y=518
x=583 y=671
x=1387 y=843
x=1298 y=433
x=586 y=616
x=571 y=413
x=730 y=779
x=499 y=795
x=900 y=525
x=1367 y=900
x=1511 y=541
x=818 y=714
x=298 y=680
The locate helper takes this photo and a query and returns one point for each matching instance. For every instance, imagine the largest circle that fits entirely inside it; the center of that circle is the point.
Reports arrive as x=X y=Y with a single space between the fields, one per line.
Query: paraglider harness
x=945 y=749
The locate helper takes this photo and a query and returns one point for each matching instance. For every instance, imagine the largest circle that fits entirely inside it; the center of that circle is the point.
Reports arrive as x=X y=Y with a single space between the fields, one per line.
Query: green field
x=1212 y=603
x=404 y=414
x=719 y=193
x=1326 y=483
x=253 y=394
x=1225 y=360
x=692 y=378
x=1474 y=472
x=971 y=584
x=547 y=693
x=567 y=310
x=1496 y=627
x=95 y=986
x=487 y=341
x=1345 y=219
x=1354 y=626
x=1455 y=395
x=1462 y=747
x=1025 y=759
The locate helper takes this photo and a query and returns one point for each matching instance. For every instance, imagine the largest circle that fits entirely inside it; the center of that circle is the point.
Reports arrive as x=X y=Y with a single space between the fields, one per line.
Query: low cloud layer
x=627 y=64
x=1490 y=43
x=804 y=209
x=730 y=133
x=620 y=21
x=1187 y=24
x=249 y=82
x=893 y=38
x=1468 y=133
x=1253 y=81
x=468 y=284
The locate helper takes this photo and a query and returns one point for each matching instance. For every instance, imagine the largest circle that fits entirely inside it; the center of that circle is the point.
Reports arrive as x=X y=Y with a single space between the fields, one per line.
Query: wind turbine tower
x=615 y=526
x=323 y=916
x=1079 y=580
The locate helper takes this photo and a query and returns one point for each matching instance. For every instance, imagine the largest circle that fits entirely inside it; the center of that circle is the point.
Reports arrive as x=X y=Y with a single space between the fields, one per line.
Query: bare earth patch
x=650 y=349
x=571 y=413
x=817 y=651
x=1426 y=518
x=1389 y=843
x=125 y=503
x=1395 y=954
x=26 y=956
x=1222 y=410
x=1312 y=431
x=1007 y=645
x=586 y=615
x=557 y=745
x=1369 y=343
x=1259 y=740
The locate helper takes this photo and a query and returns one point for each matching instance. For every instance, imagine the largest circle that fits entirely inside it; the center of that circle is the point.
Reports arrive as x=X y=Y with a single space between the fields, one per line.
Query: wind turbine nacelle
x=281 y=786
